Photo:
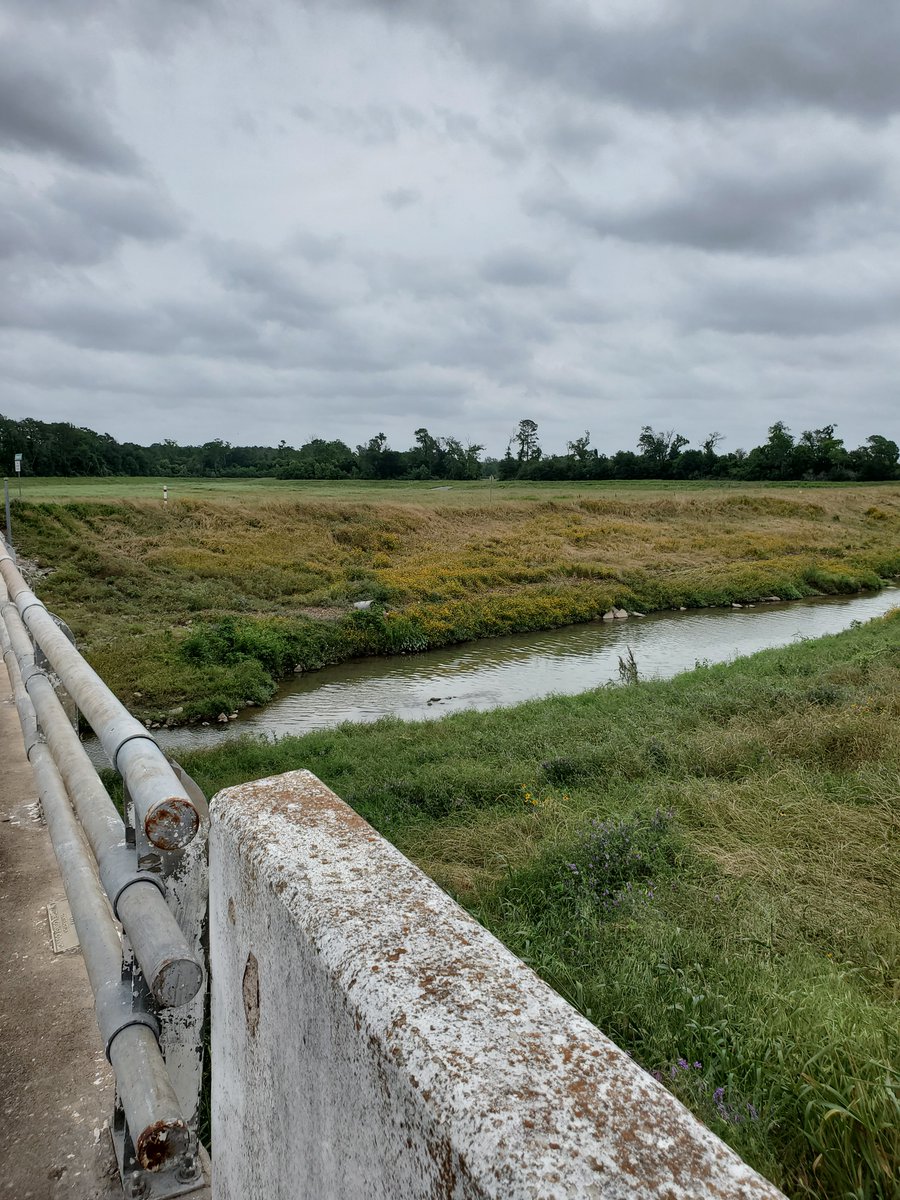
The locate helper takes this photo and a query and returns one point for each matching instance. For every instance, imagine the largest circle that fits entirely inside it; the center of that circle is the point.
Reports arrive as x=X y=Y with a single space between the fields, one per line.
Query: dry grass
x=132 y=576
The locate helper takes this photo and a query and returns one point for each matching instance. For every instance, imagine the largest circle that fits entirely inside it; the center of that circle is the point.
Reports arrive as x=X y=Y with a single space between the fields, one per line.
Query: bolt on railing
x=146 y=870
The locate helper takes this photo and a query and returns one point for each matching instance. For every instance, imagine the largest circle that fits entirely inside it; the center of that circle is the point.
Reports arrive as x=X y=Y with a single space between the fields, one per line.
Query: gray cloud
x=129 y=209
x=275 y=290
x=522 y=268
x=495 y=133
x=575 y=137
x=765 y=208
x=373 y=124
x=313 y=248
x=685 y=55
x=153 y=24
x=262 y=220
x=401 y=197
x=52 y=103
x=788 y=308
x=82 y=220
x=93 y=322
x=381 y=124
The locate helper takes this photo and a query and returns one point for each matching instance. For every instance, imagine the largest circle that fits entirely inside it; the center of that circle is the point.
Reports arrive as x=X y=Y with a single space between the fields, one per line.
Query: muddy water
x=503 y=671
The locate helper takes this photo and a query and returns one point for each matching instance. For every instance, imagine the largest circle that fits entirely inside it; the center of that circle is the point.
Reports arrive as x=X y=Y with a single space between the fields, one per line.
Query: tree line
x=817 y=454
x=61 y=448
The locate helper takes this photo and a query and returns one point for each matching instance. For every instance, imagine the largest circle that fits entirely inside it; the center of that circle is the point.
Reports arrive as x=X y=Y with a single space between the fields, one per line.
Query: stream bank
x=499 y=672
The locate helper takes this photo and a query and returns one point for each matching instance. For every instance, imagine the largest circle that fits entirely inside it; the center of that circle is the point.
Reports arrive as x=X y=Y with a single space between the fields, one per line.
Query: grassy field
x=463 y=492
x=708 y=868
x=202 y=606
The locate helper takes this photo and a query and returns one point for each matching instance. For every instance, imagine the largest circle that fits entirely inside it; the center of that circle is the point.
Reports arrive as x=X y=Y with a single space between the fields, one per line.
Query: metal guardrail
x=147 y=872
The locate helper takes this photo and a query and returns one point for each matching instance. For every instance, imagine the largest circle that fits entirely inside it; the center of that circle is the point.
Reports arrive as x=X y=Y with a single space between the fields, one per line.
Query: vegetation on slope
x=708 y=868
x=202 y=607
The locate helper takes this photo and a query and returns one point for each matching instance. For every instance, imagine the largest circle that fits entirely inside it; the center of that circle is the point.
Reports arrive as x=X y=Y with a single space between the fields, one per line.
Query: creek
x=496 y=672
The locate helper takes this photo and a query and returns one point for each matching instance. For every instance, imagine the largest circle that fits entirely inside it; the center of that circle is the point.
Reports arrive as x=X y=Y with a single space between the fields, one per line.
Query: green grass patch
x=708 y=868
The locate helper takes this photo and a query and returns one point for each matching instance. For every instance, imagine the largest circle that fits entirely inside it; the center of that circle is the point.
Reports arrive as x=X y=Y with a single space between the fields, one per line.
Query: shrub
x=613 y=863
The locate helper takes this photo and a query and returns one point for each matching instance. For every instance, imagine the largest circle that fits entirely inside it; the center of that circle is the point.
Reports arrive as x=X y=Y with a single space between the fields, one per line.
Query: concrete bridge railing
x=370 y=1039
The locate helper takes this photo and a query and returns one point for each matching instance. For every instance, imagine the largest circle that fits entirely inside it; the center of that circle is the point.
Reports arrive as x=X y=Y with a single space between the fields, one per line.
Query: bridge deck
x=55 y=1085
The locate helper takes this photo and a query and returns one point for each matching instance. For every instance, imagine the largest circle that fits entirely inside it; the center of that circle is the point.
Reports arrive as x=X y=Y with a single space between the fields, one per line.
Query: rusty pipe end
x=176 y=982
x=163 y=1143
x=172 y=823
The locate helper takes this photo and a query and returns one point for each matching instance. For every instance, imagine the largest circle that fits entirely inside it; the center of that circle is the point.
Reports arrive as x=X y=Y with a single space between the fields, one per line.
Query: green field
x=731 y=918
x=203 y=605
x=465 y=492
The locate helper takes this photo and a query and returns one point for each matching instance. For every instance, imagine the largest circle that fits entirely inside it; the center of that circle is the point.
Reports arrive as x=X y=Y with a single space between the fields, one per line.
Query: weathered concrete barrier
x=371 y=1040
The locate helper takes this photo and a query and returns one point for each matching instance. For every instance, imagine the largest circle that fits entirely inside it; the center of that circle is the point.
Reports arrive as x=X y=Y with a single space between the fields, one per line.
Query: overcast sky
x=255 y=221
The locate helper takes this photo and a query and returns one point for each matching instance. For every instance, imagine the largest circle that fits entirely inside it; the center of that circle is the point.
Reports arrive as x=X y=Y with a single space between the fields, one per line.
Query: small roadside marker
x=62 y=928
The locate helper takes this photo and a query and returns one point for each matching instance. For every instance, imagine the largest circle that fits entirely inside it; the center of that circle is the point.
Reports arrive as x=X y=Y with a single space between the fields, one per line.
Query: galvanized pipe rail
x=129 y=1036
x=137 y=897
x=156 y=965
x=162 y=806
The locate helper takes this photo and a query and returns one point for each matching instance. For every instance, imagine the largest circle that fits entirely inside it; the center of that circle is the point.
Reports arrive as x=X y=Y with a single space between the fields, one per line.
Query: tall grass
x=204 y=606
x=708 y=868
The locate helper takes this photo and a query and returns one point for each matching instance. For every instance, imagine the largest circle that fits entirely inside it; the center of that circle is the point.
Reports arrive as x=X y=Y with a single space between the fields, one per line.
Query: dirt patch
x=32 y=570
x=323 y=614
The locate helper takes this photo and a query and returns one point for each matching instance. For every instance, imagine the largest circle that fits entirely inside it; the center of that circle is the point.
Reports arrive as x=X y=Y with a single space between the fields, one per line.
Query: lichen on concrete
x=393 y=1047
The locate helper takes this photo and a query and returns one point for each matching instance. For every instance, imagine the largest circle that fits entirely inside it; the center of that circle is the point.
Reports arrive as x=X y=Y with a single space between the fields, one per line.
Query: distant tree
x=369 y=456
x=819 y=454
x=690 y=464
x=319 y=459
x=578 y=448
x=60 y=448
x=877 y=458
x=427 y=455
x=659 y=450
x=773 y=460
x=626 y=465
x=378 y=461
x=526 y=438
x=459 y=461
x=214 y=456
x=508 y=467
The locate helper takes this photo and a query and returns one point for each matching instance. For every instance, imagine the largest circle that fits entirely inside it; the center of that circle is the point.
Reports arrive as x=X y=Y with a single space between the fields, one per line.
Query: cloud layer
x=289 y=219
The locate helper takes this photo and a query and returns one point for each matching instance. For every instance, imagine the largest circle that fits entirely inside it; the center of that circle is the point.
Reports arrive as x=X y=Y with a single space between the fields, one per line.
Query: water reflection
x=503 y=671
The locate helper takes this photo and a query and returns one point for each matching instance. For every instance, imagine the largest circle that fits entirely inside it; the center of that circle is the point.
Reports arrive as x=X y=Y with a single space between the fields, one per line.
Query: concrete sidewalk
x=56 y=1088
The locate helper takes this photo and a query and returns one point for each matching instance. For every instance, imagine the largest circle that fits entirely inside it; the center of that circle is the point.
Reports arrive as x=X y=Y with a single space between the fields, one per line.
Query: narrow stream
x=502 y=671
